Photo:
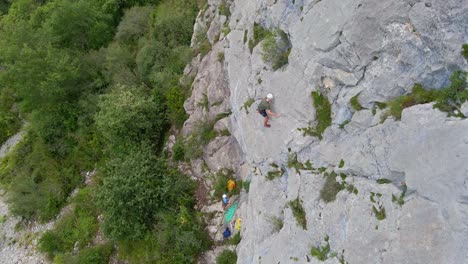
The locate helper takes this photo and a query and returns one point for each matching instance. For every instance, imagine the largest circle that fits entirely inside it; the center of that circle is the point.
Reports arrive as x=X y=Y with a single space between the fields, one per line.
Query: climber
x=225 y=201
x=231 y=185
x=264 y=109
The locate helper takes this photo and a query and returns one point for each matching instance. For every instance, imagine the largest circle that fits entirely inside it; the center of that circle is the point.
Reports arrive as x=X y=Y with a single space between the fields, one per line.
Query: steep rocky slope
x=370 y=50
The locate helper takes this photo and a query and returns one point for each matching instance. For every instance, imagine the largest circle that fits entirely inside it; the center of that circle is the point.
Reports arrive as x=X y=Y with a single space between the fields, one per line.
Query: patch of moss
x=330 y=188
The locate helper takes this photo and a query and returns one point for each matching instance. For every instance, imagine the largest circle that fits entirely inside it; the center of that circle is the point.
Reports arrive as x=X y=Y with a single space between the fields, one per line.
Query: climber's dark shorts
x=263 y=113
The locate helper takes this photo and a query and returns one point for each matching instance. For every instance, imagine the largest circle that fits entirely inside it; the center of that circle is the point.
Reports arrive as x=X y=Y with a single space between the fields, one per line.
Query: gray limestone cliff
x=370 y=50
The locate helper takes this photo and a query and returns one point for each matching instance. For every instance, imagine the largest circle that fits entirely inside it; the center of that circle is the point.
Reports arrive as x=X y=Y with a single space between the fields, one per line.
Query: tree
x=131 y=193
x=128 y=116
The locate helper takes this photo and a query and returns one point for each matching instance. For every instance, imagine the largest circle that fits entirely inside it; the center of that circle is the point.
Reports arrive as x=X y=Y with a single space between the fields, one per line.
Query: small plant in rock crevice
x=259 y=33
x=322 y=113
x=400 y=199
x=276 y=222
x=354 y=102
x=324 y=252
x=275 y=173
x=247 y=104
x=378 y=209
x=464 y=51
x=298 y=212
x=276 y=49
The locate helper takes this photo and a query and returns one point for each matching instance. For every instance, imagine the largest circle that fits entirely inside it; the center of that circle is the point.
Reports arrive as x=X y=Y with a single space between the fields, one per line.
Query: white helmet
x=270 y=96
x=224 y=195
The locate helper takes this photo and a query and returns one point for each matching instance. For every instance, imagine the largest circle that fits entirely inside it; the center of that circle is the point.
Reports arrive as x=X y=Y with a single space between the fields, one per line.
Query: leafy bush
x=298 y=212
x=276 y=49
x=127 y=115
x=227 y=257
x=178 y=150
x=175 y=106
x=235 y=240
x=134 y=24
x=178 y=237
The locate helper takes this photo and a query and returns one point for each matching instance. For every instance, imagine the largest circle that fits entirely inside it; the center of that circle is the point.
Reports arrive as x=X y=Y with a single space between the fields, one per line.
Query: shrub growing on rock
x=276 y=49
x=227 y=257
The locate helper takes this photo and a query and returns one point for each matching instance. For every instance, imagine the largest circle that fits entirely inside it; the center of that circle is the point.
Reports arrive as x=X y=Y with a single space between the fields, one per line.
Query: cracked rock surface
x=375 y=50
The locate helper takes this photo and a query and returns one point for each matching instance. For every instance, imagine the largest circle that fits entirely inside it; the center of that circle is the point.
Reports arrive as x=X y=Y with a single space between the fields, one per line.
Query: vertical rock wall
x=375 y=50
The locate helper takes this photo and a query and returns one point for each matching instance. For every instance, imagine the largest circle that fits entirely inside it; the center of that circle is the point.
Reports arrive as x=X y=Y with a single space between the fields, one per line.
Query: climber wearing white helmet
x=264 y=109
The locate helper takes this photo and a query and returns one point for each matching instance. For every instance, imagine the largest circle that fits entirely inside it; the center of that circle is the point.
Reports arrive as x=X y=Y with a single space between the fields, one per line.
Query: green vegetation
x=235 y=240
x=259 y=33
x=298 y=212
x=464 y=51
x=224 y=9
x=276 y=222
x=220 y=184
x=275 y=173
x=383 y=181
x=400 y=199
x=330 y=188
x=322 y=115
x=378 y=211
x=221 y=57
x=276 y=49
x=78 y=226
x=447 y=99
x=226 y=30
x=245 y=36
x=98 y=84
x=247 y=104
x=294 y=163
x=227 y=257
x=341 y=165
x=322 y=253
x=93 y=255
x=204 y=102
x=354 y=102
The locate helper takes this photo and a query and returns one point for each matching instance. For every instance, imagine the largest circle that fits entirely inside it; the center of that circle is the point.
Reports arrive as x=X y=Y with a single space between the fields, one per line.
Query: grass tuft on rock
x=258 y=35
x=227 y=257
x=298 y=212
x=321 y=252
x=464 y=51
x=276 y=49
x=355 y=103
x=275 y=173
x=383 y=181
x=276 y=222
x=323 y=112
x=247 y=104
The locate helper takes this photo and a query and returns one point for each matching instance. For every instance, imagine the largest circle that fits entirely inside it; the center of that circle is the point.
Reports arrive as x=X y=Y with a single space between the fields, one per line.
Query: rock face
x=375 y=50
